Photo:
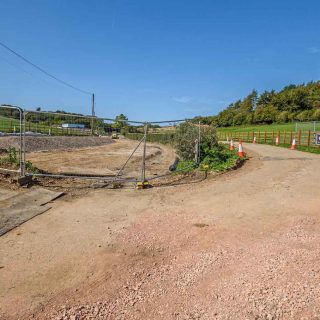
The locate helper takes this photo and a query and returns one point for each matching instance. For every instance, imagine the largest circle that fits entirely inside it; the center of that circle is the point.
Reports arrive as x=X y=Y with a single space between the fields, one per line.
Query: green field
x=11 y=125
x=272 y=127
x=6 y=123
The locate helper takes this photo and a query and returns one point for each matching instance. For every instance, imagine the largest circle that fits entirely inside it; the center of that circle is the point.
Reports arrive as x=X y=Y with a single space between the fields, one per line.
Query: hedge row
x=165 y=138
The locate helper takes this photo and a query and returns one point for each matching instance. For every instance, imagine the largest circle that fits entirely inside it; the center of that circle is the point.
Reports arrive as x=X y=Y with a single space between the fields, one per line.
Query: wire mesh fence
x=62 y=145
x=306 y=126
x=59 y=123
x=12 y=140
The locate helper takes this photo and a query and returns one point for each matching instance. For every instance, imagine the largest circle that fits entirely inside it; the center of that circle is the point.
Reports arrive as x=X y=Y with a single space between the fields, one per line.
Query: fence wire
x=51 y=145
x=11 y=140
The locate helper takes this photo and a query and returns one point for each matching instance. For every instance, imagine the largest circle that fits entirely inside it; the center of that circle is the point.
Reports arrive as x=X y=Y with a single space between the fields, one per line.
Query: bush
x=186 y=138
x=214 y=156
x=220 y=158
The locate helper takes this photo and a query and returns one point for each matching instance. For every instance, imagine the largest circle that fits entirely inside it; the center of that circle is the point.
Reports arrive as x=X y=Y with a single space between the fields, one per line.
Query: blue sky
x=155 y=60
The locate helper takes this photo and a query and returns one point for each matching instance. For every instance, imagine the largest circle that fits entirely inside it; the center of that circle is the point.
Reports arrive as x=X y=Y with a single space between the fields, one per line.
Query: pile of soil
x=54 y=142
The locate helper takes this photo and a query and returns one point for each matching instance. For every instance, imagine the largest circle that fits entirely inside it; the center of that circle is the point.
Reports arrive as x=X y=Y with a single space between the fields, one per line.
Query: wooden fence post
x=299 y=138
x=272 y=137
x=309 y=135
x=265 y=137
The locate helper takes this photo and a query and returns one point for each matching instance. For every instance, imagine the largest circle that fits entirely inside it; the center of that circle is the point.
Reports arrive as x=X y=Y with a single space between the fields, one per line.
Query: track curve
x=245 y=245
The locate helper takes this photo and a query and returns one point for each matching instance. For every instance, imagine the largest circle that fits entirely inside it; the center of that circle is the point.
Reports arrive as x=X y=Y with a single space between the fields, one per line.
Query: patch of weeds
x=11 y=159
x=31 y=168
x=12 y=156
x=220 y=159
x=185 y=166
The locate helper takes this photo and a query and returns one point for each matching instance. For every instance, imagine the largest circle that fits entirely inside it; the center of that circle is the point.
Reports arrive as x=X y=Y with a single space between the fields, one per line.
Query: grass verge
x=270 y=127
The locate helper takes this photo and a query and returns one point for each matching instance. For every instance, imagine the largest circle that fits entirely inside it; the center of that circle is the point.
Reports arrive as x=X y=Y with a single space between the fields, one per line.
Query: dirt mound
x=54 y=143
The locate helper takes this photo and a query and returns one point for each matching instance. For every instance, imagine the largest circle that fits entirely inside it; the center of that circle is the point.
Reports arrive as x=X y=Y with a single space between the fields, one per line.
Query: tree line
x=292 y=103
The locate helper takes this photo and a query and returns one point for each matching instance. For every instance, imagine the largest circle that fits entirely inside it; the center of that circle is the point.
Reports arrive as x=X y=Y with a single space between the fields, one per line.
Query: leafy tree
x=316 y=115
x=121 y=121
x=294 y=102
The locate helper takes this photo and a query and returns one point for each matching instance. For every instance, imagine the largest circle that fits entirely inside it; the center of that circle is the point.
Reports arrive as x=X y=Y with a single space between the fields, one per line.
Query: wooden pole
x=272 y=136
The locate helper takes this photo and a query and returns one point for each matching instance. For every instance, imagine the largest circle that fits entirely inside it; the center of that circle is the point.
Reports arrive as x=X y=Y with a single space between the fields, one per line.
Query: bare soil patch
x=106 y=159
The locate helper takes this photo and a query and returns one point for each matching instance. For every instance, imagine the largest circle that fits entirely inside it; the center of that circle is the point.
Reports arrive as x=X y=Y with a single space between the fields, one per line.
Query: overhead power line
x=43 y=71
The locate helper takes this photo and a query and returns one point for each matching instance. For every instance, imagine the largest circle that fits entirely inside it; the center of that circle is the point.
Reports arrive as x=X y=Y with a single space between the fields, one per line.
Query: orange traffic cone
x=254 y=140
x=277 y=140
x=231 y=145
x=240 y=151
x=294 y=144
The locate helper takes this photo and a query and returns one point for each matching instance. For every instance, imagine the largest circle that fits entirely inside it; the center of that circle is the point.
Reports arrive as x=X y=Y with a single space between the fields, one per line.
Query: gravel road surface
x=245 y=245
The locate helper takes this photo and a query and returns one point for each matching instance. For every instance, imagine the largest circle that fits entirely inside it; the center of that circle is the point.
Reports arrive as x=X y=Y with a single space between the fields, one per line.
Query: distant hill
x=292 y=103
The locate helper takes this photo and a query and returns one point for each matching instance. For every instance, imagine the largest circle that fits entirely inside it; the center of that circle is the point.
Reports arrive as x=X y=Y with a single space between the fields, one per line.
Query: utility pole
x=92 y=114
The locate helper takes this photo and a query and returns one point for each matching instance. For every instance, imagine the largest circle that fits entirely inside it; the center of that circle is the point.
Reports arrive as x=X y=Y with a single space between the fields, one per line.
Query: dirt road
x=245 y=245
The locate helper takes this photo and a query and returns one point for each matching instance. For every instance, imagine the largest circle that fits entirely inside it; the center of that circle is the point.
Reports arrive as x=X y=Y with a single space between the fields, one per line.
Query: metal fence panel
x=46 y=144
x=11 y=140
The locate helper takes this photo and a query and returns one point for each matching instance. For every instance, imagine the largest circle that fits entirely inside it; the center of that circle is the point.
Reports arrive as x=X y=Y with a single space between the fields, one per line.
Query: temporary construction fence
x=12 y=122
x=136 y=164
x=303 y=138
x=162 y=132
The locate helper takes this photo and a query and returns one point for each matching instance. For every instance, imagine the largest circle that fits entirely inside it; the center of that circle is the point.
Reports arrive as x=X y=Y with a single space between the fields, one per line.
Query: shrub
x=219 y=158
x=186 y=138
x=12 y=156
